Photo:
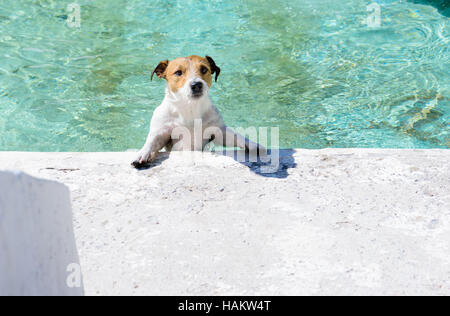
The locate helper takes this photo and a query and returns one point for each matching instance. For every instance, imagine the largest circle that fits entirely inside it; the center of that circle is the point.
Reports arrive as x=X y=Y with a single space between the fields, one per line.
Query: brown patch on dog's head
x=179 y=70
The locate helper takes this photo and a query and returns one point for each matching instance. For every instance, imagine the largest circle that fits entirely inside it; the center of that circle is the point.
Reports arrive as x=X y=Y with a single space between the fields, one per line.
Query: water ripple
x=313 y=68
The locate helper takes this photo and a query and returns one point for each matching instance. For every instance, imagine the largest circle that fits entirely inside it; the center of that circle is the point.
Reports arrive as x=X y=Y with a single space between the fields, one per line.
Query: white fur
x=194 y=119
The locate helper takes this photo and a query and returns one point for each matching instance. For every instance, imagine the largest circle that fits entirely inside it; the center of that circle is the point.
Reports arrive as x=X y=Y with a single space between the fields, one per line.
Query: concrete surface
x=37 y=244
x=350 y=222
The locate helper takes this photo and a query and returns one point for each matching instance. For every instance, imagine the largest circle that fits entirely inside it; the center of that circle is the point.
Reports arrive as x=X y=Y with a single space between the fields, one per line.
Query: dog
x=187 y=120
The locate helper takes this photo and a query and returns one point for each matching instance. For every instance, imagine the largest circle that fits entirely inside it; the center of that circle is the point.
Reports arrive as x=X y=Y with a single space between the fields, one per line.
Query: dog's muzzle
x=197 y=89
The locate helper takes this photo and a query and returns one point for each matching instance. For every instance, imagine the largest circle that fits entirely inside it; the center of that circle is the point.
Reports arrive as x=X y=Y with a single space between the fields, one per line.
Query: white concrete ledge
x=350 y=221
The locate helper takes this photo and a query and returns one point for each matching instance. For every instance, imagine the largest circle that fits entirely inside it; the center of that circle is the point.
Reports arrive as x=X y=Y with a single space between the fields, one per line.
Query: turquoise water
x=311 y=67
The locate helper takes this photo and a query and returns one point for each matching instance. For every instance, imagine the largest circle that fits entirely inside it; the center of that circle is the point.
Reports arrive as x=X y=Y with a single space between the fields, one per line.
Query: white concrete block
x=38 y=255
x=329 y=222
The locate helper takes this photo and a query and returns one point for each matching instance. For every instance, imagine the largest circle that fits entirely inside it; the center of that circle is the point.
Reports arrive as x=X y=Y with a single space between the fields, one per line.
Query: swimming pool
x=321 y=70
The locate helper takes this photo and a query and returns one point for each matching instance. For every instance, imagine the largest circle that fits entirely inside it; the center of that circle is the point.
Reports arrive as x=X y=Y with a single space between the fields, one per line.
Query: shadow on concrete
x=276 y=167
x=443 y=6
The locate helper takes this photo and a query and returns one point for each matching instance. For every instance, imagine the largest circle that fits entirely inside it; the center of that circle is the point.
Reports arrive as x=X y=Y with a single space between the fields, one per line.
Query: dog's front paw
x=142 y=159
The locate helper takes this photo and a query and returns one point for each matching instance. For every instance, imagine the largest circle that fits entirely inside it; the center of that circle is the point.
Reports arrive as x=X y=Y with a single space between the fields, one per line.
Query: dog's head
x=188 y=77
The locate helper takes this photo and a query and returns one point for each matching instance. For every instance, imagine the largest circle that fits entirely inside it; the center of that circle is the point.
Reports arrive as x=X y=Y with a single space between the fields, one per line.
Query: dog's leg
x=226 y=137
x=155 y=142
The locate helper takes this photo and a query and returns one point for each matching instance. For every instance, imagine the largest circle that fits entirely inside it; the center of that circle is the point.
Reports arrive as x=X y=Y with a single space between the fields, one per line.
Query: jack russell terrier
x=187 y=120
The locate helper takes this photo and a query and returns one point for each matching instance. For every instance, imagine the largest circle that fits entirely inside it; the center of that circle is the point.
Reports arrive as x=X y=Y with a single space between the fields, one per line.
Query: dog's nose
x=197 y=87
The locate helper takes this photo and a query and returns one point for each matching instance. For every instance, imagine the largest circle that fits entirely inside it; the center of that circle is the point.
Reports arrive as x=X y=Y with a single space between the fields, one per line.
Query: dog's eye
x=179 y=73
x=204 y=70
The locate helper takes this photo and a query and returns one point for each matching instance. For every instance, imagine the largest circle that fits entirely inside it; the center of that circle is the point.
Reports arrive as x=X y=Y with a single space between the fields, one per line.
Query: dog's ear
x=214 y=68
x=160 y=70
